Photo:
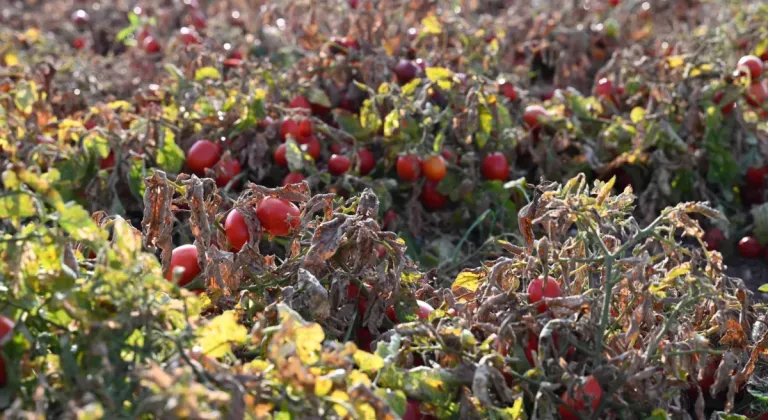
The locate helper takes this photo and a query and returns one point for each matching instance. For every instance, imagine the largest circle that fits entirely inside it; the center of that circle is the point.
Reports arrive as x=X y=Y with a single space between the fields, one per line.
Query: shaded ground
x=754 y=272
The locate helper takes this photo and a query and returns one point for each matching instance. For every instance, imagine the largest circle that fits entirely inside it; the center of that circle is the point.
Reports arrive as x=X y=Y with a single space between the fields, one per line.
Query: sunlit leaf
x=369 y=363
x=431 y=25
x=217 y=336
x=78 y=223
x=207 y=73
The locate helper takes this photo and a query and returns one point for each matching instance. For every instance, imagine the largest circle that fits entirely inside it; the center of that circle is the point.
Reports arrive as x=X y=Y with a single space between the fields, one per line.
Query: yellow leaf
x=369 y=363
x=637 y=114
x=11 y=59
x=675 y=61
x=431 y=25
x=207 y=73
x=323 y=386
x=365 y=411
x=216 y=337
x=68 y=129
x=340 y=396
x=356 y=378
x=677 y=272
x=309 y=343
x=438 y=73
x=384 y=88
x=125 y=105
x=411 y=86
x=466 y=285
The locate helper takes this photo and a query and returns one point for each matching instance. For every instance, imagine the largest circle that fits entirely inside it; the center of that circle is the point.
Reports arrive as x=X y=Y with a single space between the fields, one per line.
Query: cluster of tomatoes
x=750 y=67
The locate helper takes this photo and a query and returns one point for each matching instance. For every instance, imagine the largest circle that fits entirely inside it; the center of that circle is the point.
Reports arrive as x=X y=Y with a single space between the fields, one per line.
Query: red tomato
x=424 y=309
x=279 y=156
x=367 y=161
x=292 y=178
x=78 y=43
x=342 y=46
x=727 y=108
x=408 y=167
x=188 y=36
x=405 y=71
x=80 y=17
x=289 y=127
x=6 y=330
x=508 y=90
x=755 y=176
x=391 y=314
x=590 y=392
x=198 y=19
x=203 y=155
x=413 y=411
x=749 y=64
x=532 y=347
x=338 y=165
x=613 y=3
x=604 y=88
x=228 y=169
x=449 y=156
x=381 y=251
x=431 y=197
x=434 y=168
x=495 y=166
x=305 y=128
x=749 y=247
x=300 y=102
x=151 y=45
x=312 y=147
x=236 y=229
x=364 y=339
x=108 y=162
x=713 y=237
x=755 y=94
x=278 y=216
x=533 y=115
x=537 y=291
x=362 y=302
x=389 y=217
x=185 y=257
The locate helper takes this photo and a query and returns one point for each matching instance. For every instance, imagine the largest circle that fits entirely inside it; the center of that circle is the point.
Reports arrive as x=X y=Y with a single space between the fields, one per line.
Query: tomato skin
x=405 y=71
x=434 y=168
x=338 y=165
x=755 y=94
x=292 y=178
x=604 y=88
x=751 y=65
x=289 y=127
x=184 y=256
x=280 y=155
x=495 y=166
x=78 y=43
x=312 y=147
x=277 y=216
x=578 y=401
x=236 y=229
x=108 y=162
x=613 y=3
x=755 y=176
x=749 y=247
x=6 y=330
x=367 y=161
x=431 y=197
x=424 y=309
x=305 y=128
x=713 y=237
x=300 y=102
x=229 y=168
x=533 y=114
x=413 y=411
x=727 y=108
x=151 y=45
x=203 y=155
x=532 y=347
x=537 y=291
x=198 y=19
x=508 y=90
x=408 y=167
x=364 y=339
x=362 y=302
x=188 y=36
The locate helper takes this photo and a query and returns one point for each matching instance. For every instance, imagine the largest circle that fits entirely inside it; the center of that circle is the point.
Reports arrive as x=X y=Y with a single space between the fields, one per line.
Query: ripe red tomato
x=184 y=256
x=338 y=164
x=749 y=64
x=604 y=88
x=413 y=411
x=533 y=115
x=532 y=347
x=613 y=3
x=367 y=161
x=381 y=251
x=305 y=128
x=342 y=46
x=755 y=94
x=590 y=391
x=434 y=168
x=713 y=237
x=508 y=90
x=292 y=178
x=749 y=247
x=228 y=169
x=727 y=108
x=280 y=155
x=289 y=127
x=188 y=36
x=80 y=17
x=6 y=330
x=301 y=102
x=364 y=339
x=449 y=156
x=362 y=302
x=78 y=43
x=537 y=290
x=431 y=197
x=236 y=230
x=755 y=176
x=405 y=71
x=151 y=45
x=424 y=309
x=278 y=216
x=108 y=162
x=203 y=155
x=312 y=147
x=408 y=167
x=495 y=166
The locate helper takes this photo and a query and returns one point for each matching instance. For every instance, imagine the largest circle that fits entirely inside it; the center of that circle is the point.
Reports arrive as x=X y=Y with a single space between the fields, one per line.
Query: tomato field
x=384 y=209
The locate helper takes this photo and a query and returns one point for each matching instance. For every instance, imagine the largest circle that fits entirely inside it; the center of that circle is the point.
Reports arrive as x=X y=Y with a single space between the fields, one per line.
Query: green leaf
x=207 y=73
x=24 y=97
x=395 y=399
x=764 y=288
x=485 y=118
x=294 y=155
x=96 y=144
x=136 y=177
x=658 y=414
x=170 y=157
x=369 y=117
x=637 y=114
x=505 y=120
x=15 y=206
x=78 y=223
x=319 y=97
x=352 y=126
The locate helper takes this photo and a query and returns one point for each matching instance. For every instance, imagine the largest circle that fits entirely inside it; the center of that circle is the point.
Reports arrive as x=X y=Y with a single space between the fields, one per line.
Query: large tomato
x=278 y=216
x=588 y=392
x=203 y=155
x=236 y=229
x=538 y=290
x=184 y=256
